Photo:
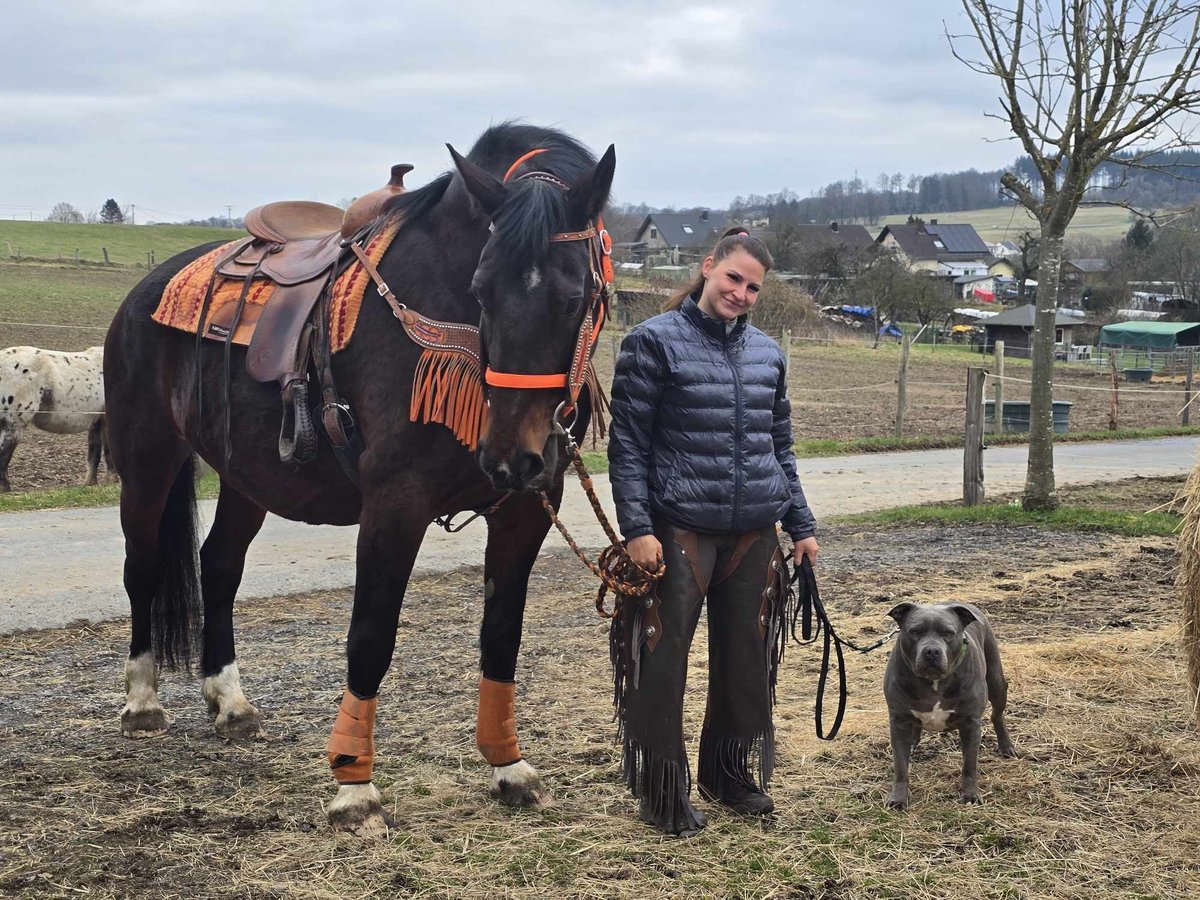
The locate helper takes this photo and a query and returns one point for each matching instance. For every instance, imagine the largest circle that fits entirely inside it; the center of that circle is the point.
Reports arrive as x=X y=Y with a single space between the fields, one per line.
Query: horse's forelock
x=533 y=211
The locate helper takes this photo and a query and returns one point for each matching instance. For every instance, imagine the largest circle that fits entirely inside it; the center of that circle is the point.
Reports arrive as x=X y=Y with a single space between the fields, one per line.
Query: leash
x=814 y=623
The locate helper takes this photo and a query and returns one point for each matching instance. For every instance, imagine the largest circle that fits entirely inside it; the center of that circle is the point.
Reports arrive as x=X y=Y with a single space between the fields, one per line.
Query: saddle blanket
x=183 y=298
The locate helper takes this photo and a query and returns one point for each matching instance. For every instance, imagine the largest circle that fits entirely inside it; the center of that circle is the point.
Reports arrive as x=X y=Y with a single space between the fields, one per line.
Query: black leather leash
x=814 y=622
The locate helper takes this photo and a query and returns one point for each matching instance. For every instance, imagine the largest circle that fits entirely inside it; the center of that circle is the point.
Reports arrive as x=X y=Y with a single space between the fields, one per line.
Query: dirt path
x=1103 y=802
x=63 y=565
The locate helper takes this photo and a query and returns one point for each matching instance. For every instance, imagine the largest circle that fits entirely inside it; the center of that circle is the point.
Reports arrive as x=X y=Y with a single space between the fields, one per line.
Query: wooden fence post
x=1114 y=398
x=787 y=350
x=998 y=416
x=104 y=250
x=1187 y=386
x=902 y=386
x=973 y=444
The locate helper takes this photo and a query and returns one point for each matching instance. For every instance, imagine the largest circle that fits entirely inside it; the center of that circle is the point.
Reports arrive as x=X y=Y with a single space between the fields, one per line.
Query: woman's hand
x=646 y=551
x=806 y=547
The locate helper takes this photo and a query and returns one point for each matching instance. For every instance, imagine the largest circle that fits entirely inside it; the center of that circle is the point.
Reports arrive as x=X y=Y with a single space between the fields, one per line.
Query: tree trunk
x=1039 y=475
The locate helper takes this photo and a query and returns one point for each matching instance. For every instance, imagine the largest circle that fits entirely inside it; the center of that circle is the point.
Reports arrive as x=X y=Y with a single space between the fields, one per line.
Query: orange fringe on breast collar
x=183 y=297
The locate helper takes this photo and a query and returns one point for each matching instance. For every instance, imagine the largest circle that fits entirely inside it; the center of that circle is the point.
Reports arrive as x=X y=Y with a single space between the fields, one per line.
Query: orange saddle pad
x=183 y=298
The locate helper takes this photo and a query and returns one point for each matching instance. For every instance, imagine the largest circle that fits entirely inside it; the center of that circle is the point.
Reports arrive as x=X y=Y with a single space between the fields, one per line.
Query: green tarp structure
x=1151 y=335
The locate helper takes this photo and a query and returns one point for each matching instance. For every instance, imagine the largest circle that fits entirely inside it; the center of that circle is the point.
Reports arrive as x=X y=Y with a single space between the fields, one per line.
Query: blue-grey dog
x=942 y=673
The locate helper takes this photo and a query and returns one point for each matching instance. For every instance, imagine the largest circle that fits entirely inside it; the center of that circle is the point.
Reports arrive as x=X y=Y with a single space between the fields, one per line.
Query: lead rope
x=814 y=621
x=614 y=567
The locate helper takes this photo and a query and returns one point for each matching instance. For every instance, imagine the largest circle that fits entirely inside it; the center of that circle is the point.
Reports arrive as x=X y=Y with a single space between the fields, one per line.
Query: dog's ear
x=900 y=610
x=964 y=614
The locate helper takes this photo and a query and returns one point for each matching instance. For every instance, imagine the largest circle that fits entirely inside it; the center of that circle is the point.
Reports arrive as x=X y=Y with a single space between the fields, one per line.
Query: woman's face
x=731 y=285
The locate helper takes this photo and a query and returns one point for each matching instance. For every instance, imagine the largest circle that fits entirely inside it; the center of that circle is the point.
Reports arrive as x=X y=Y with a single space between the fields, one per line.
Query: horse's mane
x=534 y=209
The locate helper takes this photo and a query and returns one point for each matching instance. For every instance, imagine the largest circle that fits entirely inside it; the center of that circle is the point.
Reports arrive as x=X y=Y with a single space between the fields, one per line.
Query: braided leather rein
x=614 y=567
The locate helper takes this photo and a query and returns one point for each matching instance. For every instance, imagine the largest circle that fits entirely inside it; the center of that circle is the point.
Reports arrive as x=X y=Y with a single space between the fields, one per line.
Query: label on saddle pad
x=183 y=298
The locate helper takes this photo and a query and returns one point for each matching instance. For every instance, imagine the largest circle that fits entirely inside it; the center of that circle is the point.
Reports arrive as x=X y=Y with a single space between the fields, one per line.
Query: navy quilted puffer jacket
x=701 y=429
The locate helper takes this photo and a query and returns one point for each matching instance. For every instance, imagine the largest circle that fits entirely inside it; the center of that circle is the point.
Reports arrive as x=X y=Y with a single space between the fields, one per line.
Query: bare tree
x=1080 y=82
x=65 y=212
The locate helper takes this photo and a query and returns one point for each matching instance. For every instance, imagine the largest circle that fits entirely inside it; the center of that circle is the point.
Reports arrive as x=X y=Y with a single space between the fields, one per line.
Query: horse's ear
x=591 y=193
x=487 y=189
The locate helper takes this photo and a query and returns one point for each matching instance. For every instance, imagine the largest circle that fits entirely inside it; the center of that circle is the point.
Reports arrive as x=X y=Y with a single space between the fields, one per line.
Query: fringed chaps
x=745 y=581
x=352 y=745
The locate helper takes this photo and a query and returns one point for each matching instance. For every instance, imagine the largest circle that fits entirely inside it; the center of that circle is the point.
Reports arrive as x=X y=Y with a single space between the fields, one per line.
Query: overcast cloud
x=182 y=107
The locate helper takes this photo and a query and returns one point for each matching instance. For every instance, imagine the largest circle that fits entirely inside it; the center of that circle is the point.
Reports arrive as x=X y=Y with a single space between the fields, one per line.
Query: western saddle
x=297 y=244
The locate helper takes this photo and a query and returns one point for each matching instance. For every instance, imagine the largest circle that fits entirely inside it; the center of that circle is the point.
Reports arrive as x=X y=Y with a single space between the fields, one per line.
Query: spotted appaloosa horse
x=59 y=392
x=474 y=248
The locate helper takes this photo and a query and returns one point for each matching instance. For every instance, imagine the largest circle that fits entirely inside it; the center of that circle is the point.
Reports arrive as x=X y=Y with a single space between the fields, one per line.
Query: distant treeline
x=1173 y=181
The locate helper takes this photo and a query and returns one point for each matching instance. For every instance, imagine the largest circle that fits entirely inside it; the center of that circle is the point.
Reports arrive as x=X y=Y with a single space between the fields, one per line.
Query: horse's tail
x=176 y=614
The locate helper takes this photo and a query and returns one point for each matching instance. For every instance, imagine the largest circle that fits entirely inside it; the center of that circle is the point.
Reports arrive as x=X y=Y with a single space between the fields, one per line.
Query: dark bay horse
x=477 y=246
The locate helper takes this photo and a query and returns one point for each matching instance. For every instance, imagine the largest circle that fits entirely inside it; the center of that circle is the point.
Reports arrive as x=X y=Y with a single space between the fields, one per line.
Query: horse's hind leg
x=10 y=436
x=515 y=534
x=222 y=559
x=95 y=440
x=157 y=510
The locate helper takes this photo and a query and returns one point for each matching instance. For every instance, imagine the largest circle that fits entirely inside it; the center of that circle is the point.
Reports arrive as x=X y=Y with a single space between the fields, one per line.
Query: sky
x=184 y=108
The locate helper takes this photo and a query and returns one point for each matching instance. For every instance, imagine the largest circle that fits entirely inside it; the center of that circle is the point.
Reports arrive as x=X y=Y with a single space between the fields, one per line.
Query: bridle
x=600 y=262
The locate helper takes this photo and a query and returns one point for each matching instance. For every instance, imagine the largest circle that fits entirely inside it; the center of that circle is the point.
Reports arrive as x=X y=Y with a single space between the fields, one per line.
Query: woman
x=701 y=467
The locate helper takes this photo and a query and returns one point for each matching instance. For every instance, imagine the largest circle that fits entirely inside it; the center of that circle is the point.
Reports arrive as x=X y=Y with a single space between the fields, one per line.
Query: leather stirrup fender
x=496 y=724
x=352 y=745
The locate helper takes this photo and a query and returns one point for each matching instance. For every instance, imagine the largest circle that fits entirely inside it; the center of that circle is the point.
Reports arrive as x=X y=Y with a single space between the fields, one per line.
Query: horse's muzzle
x=523 y=471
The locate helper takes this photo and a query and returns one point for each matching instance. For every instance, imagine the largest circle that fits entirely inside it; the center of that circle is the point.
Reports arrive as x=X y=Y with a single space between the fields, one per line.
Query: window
x=1058 y=335
x=653 y=233
x=687 y=229
x=939 y=244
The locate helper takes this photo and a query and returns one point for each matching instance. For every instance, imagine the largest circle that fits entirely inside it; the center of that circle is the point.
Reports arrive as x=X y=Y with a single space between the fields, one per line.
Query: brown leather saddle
x=297 y=245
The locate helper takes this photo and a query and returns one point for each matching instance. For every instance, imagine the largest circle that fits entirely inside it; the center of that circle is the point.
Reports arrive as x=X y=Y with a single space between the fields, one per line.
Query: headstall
x=600 y=262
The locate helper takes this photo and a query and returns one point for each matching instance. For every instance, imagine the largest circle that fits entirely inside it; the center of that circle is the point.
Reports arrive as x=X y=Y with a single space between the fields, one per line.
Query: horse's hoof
x=143 y=723
x=357 y=810
x=240 y=725
x=519 y=785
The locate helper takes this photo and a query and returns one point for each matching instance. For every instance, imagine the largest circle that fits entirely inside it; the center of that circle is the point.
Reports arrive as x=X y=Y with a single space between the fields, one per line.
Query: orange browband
x=522 y=159
x=516 y=380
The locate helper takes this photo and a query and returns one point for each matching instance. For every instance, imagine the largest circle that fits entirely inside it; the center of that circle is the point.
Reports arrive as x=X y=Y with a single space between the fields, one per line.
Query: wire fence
x=838 y=394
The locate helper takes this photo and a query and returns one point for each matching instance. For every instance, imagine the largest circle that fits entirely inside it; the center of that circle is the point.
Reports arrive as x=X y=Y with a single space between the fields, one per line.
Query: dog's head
x=932 y=636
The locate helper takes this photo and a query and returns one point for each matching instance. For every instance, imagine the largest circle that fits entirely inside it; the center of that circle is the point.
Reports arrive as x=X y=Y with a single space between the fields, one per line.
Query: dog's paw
x=1008 y=751
x=971 y=797
x=898 y=803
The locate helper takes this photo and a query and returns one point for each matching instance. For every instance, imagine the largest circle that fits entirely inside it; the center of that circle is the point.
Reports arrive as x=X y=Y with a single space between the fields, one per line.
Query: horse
x=505 y=241
x=62 y=393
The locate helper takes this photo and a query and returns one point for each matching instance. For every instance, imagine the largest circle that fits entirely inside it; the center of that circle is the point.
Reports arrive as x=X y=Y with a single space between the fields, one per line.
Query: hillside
x=1005 y=223
x=127 y=244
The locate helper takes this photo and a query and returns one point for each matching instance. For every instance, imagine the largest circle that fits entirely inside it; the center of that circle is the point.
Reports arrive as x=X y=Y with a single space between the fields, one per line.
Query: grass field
x=1005 y=223
x=127 y=244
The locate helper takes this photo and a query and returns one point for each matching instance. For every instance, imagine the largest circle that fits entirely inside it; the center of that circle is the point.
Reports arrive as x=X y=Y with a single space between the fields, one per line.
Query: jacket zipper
x=737 y=439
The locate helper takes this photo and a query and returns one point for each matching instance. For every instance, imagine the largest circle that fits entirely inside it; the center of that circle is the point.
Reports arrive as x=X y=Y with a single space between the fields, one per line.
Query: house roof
x=1023 y=317
x=694 y=229
x=811 y=237
x=1090 y=265
x=967 y=279
x=940 y=242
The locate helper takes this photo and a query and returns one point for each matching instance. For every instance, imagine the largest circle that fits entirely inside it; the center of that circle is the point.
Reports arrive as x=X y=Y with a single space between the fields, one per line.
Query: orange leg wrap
x=352 y=744
x=496 y=725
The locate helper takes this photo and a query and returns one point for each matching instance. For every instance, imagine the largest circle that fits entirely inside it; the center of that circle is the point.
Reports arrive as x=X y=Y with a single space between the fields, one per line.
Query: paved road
x=62 y=565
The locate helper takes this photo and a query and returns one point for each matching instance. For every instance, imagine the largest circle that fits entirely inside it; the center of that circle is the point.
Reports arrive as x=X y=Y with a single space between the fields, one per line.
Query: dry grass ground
x=1104 y=802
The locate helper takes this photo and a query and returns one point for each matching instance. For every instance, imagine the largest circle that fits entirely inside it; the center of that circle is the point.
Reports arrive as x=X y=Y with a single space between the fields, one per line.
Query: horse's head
x=539 y=283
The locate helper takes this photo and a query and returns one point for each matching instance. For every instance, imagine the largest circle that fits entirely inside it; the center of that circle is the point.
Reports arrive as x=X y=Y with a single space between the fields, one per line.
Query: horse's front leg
x=515 y=534
x=389 y=536
x=10 y=436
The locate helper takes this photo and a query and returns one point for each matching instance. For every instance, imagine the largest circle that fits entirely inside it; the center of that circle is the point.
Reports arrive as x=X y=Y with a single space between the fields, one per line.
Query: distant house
x=1004 y=249
x=676 y=236
x=947 y=250
x=818 y=245
x=1015 y=328
x=1002 y=268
